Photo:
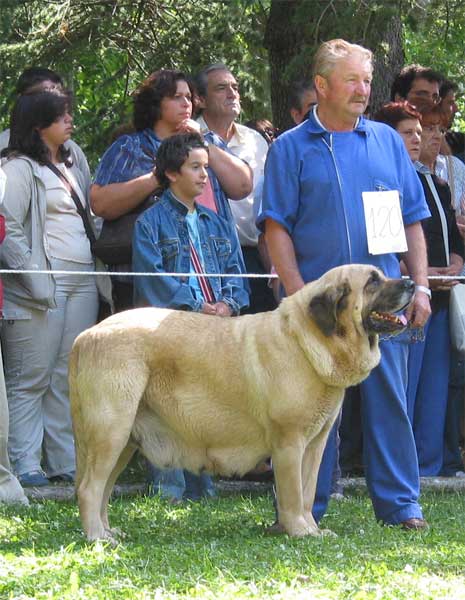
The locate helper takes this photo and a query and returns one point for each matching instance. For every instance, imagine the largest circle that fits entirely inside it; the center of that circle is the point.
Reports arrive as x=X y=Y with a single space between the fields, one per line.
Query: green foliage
x=218 y=550
x=104 y=48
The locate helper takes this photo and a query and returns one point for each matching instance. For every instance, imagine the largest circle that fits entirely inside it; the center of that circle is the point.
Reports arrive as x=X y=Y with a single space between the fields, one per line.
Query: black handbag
x=114 y=244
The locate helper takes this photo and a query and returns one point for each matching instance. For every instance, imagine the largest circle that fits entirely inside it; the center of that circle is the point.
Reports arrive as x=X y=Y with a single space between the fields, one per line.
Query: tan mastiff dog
x=199 y=392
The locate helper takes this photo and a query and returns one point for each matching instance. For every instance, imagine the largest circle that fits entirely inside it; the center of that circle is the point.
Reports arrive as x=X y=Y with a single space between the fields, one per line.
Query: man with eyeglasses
x=418 y=85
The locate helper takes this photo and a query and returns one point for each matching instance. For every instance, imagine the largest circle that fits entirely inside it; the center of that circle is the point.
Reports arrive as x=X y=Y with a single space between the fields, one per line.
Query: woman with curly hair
x=125 y=177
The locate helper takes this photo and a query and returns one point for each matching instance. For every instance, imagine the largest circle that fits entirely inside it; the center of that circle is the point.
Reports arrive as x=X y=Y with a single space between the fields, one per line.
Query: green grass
x=218 y=550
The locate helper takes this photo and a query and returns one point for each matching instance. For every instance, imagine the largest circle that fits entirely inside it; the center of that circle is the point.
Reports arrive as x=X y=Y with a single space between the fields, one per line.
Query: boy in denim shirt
x=177 y=235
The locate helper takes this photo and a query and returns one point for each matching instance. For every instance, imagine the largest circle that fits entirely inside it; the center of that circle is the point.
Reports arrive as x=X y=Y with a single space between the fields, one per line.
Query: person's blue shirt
x=313 y=187
x=130 y=156
x=161 y=244
x=133 y=155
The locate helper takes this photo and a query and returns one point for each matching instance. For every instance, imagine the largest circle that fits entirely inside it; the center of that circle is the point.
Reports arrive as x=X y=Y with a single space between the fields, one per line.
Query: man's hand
x=415 y=260
x=443 y=284
x=419 y=310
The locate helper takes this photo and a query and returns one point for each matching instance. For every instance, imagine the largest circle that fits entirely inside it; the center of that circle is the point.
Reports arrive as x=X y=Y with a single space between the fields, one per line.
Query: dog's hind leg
x=104 y=404
x=122 y=462
x=105 y=458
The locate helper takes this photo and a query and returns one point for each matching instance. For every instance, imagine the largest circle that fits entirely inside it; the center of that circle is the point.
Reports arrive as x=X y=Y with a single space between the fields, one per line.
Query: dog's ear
x=326 y=307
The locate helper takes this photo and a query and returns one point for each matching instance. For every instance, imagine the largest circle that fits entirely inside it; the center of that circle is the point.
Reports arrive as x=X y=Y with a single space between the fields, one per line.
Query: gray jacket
x=25 y=247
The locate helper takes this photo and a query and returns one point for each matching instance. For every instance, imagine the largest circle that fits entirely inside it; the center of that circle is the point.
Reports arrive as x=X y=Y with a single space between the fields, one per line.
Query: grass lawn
x=218 y=550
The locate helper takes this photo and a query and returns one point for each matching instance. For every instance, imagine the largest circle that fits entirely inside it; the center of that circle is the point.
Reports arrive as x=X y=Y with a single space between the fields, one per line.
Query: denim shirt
x=161 y=244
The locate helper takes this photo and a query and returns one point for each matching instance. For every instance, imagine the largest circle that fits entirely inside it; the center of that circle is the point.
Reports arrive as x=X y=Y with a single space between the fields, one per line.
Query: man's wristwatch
x=424 y=289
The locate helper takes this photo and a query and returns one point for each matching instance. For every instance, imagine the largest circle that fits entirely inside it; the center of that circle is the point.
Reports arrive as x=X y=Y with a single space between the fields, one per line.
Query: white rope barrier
x=134 y=274
x=139 y=274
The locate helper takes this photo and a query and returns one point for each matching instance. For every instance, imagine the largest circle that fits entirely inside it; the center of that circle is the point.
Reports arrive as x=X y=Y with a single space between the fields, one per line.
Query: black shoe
x=64 y=477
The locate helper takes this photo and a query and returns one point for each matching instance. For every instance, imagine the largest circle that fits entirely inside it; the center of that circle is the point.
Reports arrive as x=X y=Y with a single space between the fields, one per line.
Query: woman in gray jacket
x=43 y=313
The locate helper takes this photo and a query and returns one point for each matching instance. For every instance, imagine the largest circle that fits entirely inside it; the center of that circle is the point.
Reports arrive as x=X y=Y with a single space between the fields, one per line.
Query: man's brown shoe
x=414 y=524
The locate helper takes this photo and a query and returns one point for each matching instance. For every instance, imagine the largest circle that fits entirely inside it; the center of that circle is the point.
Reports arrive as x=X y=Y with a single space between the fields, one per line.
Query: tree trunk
x=296 y=28
x=389 y=60
x=280 y=40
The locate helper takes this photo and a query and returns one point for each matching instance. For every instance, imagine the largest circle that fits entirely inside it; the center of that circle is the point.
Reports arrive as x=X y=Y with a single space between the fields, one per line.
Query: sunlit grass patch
x=218 y=549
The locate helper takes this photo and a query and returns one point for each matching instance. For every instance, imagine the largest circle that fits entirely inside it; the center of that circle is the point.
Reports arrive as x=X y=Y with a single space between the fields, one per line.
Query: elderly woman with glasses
x=428 y=363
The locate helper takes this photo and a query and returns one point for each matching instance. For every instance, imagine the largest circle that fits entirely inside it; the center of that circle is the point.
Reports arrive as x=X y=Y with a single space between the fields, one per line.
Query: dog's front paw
x=116 y=532
x=300 y=528
x=102 y=535
x=327 y=532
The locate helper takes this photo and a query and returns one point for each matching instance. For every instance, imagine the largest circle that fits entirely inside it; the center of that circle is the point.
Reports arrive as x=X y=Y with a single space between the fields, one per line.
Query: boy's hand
x=222 y=309
x=209 y=309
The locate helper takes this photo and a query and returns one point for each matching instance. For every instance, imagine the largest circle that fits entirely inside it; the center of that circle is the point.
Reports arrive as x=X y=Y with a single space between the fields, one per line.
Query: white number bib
x=384 y=223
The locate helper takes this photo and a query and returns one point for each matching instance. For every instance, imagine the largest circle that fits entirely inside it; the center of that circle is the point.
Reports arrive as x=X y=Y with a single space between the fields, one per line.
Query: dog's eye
x=374 y=278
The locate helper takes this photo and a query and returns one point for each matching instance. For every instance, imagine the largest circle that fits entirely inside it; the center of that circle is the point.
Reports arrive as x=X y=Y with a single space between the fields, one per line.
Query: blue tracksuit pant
x=388 y=444
x=427 y=390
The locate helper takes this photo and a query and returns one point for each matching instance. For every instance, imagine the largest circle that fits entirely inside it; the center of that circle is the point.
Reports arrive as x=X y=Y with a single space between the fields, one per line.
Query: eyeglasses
x=425 y=95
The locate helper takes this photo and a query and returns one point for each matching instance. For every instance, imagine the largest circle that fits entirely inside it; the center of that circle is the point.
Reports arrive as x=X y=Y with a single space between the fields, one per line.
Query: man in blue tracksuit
x=313 y=215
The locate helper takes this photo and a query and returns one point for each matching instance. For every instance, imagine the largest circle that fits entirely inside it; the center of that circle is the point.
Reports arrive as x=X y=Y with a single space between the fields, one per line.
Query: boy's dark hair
x=404 y=80
x=393 y=113
x=173 y=153
x=33 y=76
x=30 y=113
x=148 y=96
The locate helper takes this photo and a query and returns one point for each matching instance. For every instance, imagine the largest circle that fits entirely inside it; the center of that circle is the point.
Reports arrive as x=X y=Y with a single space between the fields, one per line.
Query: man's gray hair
x=201 y=81
x=331 y=52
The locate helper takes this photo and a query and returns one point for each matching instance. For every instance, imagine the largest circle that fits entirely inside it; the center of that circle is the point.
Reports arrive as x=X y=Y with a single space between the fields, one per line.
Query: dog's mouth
x=385 y=322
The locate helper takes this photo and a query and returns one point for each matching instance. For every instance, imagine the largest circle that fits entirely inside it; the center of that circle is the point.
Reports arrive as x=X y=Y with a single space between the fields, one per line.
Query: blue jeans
x=181 y=484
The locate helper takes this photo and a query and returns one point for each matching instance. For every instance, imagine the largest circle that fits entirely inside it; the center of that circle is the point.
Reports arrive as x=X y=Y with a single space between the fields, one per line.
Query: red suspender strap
x=205 y=286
